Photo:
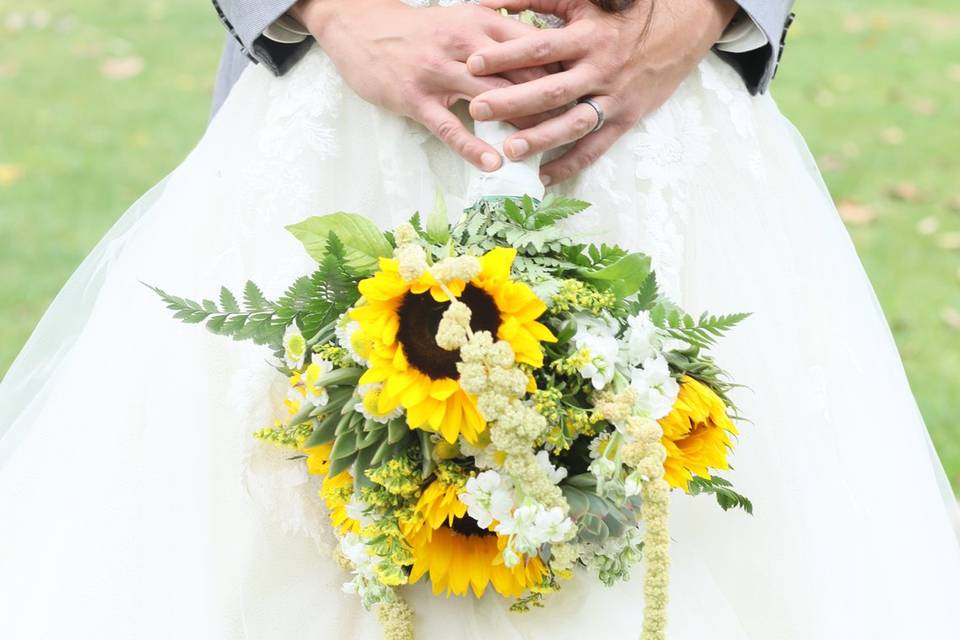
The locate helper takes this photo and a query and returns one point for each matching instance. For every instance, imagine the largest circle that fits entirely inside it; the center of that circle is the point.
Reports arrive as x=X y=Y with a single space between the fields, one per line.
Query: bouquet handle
x=512 y=179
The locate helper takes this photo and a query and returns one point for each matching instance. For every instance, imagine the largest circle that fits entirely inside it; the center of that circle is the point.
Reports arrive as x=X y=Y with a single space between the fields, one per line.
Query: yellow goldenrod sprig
x=284 y=436
x=576 y=294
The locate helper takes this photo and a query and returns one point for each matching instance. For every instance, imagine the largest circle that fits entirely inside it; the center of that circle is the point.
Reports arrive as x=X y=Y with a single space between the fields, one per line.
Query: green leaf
x=324 y=431
x=647 y=295
x=229 y=301
x=369 y=438
x=438 y=222
x=254 y=299
x=338 y=465
x=426 y=452
x=398 y=429
x=379 y=455
x=624 y=277
x=513 y=211
x=364 y=242
x=722 y=490
x=582 y=481
x=345 y=445
x=360 y=466
x=416 y=223
x=554 y=208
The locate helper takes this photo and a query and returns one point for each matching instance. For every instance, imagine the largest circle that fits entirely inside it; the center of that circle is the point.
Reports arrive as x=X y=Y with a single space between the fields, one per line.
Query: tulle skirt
x=134 y=502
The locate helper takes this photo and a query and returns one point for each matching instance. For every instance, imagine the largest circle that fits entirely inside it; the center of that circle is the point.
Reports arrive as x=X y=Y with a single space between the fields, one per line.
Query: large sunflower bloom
x=401 y=320
x=696 y=434
x=457 y=554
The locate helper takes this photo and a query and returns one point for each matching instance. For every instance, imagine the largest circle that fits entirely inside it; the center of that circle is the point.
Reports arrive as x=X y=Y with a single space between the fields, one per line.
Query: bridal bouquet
x=491 y=405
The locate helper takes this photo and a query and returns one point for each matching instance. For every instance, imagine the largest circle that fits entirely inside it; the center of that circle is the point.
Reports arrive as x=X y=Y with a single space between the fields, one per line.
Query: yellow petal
x=443 y=388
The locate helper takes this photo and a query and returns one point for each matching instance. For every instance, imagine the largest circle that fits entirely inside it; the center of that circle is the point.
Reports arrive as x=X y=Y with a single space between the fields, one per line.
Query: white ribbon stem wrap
x=512 y=179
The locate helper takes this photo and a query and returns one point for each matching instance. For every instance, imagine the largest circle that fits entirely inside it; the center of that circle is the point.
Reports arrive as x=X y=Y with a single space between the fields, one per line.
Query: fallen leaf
x=906 y=191
x=951 y=317
x=949 y=241
x=854 y=23
x=9 y=174
x=841 y=82
x=880 y=22
x=854 y=213
x=923 y=106
x=824 y=98
x=893 y=135
x=122 y=68
x=40 y=19
x=928 y=226
x=851 y=149
x=15 y=21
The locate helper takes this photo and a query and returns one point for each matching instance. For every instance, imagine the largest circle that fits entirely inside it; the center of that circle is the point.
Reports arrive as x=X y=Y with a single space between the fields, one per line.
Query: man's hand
x=411 y=60
x=629 y=63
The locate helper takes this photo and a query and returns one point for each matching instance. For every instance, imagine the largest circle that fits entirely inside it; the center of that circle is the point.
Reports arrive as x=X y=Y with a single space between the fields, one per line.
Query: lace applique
x=300 y=120
x=661 y=233
x=302 y=107
x=278 y=486
x=727 y=87
x=672 y=143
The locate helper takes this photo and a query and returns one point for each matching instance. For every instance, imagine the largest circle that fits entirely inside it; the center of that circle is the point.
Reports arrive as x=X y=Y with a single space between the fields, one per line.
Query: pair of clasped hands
x=419 y=62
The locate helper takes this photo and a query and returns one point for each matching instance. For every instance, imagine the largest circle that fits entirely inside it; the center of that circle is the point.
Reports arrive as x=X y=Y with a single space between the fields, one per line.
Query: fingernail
x=475 y=64
x=489 y=161
x=545 y=179
x=481 y=111
x=517 y=148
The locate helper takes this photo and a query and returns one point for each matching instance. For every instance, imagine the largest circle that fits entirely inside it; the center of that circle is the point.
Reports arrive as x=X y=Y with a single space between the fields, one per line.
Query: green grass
x=872 y=84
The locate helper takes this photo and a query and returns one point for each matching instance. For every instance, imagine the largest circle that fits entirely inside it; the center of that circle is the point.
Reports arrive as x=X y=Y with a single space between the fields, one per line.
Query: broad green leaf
x=438 y=222
x=624 y=277
x=364 y=242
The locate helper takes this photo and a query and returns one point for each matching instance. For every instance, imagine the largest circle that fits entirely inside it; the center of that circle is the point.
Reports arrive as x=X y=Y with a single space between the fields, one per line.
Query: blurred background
x=100 y=99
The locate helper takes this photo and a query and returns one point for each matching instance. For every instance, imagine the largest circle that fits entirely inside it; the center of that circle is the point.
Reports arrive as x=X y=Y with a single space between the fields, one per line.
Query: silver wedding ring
x=596 y=107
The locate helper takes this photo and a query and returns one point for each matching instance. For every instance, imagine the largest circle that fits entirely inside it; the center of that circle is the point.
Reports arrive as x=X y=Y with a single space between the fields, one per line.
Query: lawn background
x=100 y=100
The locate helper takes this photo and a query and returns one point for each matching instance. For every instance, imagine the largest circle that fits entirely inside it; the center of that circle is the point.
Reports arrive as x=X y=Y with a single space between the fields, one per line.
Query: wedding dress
x=134 y=502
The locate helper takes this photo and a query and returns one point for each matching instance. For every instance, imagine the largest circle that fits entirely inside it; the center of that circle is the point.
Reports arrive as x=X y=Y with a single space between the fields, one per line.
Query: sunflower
x=696 y=434
x=457 y=554
x=400 y=318
x=336 y=491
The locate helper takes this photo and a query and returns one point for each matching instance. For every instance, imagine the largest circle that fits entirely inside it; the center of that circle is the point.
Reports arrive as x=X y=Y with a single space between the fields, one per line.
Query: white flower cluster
x=639 y=356
x=491 y=500
x=305 y=386
x=364 y=565
x=360 y=512
x=598 y=336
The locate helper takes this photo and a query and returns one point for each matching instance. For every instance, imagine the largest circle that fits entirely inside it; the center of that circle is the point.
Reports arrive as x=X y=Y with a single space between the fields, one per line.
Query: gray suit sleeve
x=758 y=67
x=246 y=21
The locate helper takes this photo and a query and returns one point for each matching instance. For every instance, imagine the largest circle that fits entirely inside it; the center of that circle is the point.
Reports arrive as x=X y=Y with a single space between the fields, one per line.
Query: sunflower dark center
x=467 y=526
x=420 y=316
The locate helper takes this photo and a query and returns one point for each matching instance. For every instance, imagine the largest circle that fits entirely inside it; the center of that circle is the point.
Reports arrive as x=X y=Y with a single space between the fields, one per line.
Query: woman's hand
x=629 y=63
x=411 y=60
